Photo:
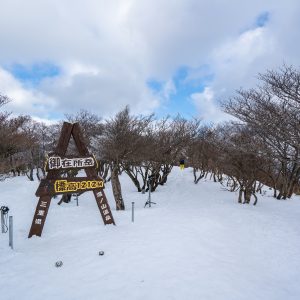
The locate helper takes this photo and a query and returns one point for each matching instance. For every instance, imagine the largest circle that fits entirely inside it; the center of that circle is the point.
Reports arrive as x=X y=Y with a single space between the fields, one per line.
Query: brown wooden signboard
x=54 y=184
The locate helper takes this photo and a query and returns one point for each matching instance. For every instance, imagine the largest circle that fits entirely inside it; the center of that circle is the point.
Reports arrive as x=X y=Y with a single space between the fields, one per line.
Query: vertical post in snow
x=2 y=222
x=11 y=242
x=132 y=212
x=149 y=202
x=149 y=196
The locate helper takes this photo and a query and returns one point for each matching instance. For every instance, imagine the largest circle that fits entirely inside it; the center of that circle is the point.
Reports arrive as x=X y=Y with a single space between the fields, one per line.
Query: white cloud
x=108 y=50
x=237 y=61
x=235 y=64
x=101 y=91
x=208 y=109
x=25 y=101
x=45 y=121
x=169 y=88
x=243 y=50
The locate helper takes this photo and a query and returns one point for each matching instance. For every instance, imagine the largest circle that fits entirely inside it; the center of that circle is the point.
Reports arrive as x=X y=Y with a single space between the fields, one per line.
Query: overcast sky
x=162 y=56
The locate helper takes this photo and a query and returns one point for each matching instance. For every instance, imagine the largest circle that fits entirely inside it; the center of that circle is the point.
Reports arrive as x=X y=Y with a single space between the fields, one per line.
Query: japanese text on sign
x=64 y=186
x=56 y=162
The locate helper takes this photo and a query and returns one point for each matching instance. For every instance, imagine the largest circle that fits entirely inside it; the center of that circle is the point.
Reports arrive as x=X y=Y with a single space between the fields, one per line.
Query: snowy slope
x=196 y=243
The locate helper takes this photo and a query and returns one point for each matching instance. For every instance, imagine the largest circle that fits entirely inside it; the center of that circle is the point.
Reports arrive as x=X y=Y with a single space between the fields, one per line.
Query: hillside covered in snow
x=197 y=242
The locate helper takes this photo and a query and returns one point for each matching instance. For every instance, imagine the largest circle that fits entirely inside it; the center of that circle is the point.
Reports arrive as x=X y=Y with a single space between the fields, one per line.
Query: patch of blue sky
x=187 y=81
x=32 y=75
x=155 y=85
x=50 y=115
x=56 y=116
x=262 y=19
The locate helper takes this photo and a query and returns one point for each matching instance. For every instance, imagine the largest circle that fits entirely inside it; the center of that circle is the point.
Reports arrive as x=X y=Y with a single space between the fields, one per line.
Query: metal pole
x=11 y=242
x=132 y=212
x=77 y=199
x=2 y=222
x=149 y=195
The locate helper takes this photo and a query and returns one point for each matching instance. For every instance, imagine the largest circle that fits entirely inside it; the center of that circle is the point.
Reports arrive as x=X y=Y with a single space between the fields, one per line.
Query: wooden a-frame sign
x=52 y=184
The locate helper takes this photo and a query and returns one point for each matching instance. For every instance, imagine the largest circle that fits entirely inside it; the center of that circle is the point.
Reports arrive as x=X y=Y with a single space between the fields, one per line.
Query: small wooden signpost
x=53 y=184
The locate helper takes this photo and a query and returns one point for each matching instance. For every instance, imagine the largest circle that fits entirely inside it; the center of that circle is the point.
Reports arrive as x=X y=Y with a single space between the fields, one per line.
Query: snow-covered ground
x=197 y=242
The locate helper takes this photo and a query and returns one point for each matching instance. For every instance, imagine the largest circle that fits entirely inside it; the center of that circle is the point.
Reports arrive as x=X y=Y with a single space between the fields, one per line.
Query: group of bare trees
x=271 y=112
x=143 y=148
x=23 y=144
x=260 y=147
x=15 y=140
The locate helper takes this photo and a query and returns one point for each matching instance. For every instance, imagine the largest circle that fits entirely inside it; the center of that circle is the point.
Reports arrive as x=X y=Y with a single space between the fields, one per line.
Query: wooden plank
x=40 y=215
x=103 y=207
x=64 y=139
x=99 y=195
x=44 y=201
x=76 y=133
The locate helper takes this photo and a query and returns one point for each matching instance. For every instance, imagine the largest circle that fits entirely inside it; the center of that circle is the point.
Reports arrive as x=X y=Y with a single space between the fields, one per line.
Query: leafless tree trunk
x=116 y=187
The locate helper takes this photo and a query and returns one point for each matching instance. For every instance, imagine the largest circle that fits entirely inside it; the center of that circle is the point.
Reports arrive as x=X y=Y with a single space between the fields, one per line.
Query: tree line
x=260 y=146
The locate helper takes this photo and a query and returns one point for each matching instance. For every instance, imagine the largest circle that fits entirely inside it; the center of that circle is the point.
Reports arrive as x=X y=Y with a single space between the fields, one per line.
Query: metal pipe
x=132 y=212
x=11 y=242
x=2 y=222
x=149 y=195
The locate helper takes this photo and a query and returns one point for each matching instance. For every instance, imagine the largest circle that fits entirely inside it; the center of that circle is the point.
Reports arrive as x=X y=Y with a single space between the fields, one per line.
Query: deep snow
x=196 y=243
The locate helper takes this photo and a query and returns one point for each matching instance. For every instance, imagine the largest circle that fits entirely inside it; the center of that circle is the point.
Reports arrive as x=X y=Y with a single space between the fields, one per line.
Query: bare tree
x=13 y=141
x=91 y=126
x=272 y=112
x=121 y=142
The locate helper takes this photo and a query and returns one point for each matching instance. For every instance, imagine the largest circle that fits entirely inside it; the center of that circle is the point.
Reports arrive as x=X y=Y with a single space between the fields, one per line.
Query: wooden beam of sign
x=56 y=162
x=69 y=185
x=43 y=204
x=99 y=195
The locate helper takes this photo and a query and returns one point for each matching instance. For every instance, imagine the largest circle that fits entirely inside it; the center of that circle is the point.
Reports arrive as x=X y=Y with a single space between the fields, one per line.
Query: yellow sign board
x=65 y=186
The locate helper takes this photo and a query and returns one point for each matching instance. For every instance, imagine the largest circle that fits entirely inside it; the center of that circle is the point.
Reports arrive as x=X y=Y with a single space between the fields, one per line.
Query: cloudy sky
x=162 y=56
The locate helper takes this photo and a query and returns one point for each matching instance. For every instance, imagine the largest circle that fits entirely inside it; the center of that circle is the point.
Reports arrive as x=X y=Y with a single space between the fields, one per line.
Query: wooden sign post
x=53 y=184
